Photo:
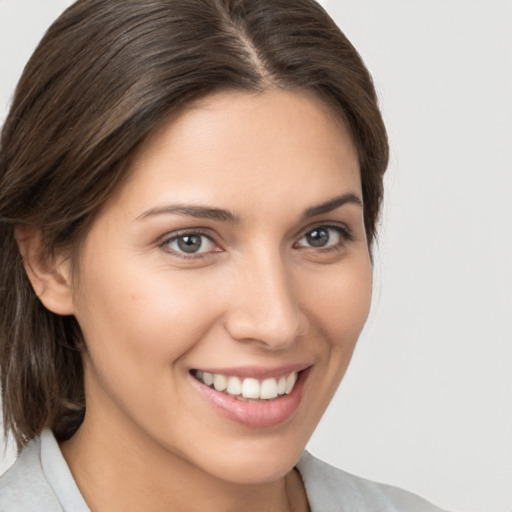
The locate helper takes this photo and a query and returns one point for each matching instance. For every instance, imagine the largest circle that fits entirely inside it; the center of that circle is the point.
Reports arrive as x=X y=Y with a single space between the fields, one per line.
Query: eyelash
x=342 y=231
x=195 y=232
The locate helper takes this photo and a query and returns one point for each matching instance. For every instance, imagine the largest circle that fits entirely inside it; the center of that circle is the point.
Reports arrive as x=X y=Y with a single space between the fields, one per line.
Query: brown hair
x=105 y=75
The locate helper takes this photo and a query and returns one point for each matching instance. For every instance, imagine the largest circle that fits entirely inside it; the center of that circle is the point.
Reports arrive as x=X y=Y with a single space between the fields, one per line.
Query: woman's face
x=235 y=252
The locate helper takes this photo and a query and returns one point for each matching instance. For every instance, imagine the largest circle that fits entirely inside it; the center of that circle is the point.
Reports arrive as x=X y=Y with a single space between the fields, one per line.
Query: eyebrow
x=332 y=204
x=199 y=212
x=205 y=212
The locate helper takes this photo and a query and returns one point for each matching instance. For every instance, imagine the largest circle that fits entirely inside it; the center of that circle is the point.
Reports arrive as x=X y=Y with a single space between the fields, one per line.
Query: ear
x=50 y=277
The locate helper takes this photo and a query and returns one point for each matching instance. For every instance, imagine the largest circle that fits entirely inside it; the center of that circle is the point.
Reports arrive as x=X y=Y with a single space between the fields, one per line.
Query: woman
x=188 y=197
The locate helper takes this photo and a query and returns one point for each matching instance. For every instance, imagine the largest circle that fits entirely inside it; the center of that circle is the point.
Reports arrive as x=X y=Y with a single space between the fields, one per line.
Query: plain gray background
x=427 y=401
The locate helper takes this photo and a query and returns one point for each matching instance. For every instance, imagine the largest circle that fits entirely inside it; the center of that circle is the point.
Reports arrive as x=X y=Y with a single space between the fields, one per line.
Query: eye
x=190 y=244
x=324 y=237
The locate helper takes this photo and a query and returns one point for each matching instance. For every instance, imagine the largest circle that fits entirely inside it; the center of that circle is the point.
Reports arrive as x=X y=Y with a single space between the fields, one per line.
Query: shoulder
x=23 y=487
x=330 y=489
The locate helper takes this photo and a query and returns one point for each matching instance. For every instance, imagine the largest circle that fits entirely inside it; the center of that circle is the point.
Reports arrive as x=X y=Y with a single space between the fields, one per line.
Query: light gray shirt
x=40 y=481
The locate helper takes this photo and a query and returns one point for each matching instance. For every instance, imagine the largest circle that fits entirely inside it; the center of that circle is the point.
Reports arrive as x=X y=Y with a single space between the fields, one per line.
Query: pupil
x=189 y=243
x=318 y=237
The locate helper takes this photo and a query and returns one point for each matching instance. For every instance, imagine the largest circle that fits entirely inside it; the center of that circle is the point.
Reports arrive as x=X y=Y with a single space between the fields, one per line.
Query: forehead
x=241 y=147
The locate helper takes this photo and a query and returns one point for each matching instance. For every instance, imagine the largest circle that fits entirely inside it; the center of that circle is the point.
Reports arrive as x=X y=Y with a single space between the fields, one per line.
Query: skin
x=258 y=295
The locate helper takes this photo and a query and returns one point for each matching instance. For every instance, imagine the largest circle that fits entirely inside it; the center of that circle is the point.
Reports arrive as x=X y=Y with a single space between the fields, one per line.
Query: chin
x=253 y=470
x=255 y=461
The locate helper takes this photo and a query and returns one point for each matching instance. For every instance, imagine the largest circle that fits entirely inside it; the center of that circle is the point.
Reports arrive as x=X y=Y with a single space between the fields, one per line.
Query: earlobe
x=50 y=277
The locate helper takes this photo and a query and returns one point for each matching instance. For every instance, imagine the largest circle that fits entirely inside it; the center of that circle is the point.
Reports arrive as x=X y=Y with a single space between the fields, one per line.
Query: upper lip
x=257 y=372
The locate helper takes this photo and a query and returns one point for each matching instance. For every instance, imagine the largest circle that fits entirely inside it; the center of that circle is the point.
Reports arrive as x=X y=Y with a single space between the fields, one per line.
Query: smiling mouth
x=249 y=388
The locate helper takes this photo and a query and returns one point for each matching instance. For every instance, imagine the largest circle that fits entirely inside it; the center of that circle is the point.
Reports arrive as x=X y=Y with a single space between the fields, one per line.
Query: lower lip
x=256 y=414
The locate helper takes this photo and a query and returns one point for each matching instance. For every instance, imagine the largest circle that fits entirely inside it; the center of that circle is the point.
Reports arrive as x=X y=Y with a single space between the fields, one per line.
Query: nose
x=265 y=308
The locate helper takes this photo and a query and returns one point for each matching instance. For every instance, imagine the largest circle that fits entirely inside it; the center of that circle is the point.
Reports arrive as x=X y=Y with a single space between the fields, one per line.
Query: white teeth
x=268 y=389
x=234 y=386
x=290 y=382
x=281 y=385
x=219 y=382
x=249 y=387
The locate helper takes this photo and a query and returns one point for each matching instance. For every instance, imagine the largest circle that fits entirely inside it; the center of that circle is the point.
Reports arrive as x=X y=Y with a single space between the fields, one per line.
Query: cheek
x=340 y=304
x=138 y=329
x=136 y=318
x=337 y=308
